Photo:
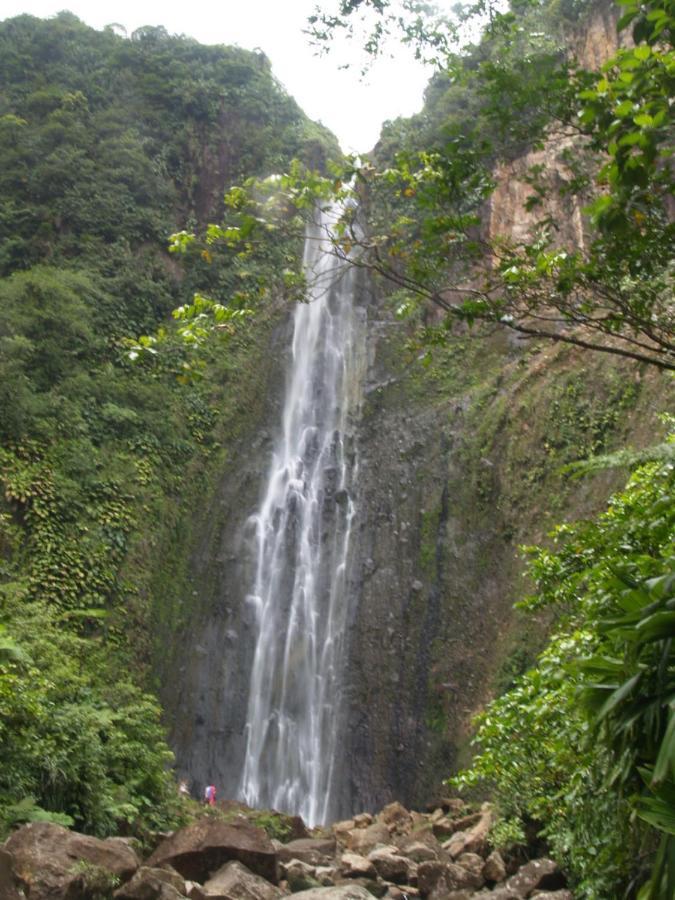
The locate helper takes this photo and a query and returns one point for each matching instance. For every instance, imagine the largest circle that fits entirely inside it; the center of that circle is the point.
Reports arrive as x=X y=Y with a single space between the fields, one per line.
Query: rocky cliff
x=459 y=464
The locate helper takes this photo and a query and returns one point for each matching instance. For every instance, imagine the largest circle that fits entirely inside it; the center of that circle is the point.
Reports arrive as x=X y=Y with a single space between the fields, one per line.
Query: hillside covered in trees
x=108 y=145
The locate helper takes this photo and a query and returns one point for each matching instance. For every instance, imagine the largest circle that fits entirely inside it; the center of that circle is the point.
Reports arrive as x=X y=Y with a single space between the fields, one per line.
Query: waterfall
x=301 y=536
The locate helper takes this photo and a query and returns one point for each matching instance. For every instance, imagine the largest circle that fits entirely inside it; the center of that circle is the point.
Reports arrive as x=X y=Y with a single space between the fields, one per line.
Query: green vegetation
x=609 y=137
x=109 y=145
x=583 y=741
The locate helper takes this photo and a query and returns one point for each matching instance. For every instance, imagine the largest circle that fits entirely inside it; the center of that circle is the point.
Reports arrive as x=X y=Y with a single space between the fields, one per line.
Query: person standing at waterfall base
x=210 y=795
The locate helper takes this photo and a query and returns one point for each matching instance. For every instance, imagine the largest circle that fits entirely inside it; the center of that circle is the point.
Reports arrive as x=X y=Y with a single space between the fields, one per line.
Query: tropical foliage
x=582 y=743
x=425 y=188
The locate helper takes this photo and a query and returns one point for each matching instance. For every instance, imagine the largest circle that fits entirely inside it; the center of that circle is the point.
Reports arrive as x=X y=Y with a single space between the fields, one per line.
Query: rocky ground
x=440 y=855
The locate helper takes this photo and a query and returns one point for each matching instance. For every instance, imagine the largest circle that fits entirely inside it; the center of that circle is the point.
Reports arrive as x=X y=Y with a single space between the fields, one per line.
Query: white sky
x=353 y=109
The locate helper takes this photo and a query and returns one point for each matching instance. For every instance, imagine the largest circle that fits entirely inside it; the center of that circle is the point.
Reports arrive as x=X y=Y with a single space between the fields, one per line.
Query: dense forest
x=126 y=373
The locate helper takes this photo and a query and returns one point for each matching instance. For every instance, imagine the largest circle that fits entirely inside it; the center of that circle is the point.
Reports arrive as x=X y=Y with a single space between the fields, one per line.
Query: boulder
x=390 y=866
x=234 y=881
x=342 y=829
x=401 y=891
x=396 y=817
x=363 y=820
x=340 y=892
x=9 y=884
x=326 y=875
x=194 y=891
x=205 y=846
x=419 y=820
x=463 y=823
x=444 y=828
x=419 y=852
x=477 y=836
x=363 y=840
x=352 y=865
x=455 y=845
x=153 y=884
x=45 y=856
x=313 y=851
x=494 y=868
x=374 y=887
x=300 y=876
x=473 y=864
x=439 y=878
x=539 y=874
x=425 y=837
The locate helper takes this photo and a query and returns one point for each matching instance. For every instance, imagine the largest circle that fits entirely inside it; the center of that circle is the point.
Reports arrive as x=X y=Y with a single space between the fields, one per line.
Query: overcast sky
x=354 y=110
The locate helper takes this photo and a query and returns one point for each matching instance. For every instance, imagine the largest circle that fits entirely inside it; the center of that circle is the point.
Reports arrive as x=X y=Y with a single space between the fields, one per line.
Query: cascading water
x=301 y=538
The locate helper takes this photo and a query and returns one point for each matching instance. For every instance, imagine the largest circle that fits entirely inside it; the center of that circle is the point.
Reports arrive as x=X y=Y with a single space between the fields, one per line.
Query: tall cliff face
x=459 y=465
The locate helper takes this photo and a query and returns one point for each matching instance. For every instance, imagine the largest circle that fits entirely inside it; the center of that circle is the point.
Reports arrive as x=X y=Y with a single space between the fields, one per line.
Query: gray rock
x=444 y=828
x=363 y=840
x=473 y=864
x=392 y=867
x=396 y=817
x=45 y=856
x=477 y=836
x=9 y=884
x=326 y=875
x=439 y=878
x=234 y=881
x=494 y=868
x=153 y=884
x=419 y=852
x=455 y=845
x=194 y=891
x=313 y=851
x=300 y=876
x=340 y=892
x=352 y=865
x=207 y=844
x=538 y=874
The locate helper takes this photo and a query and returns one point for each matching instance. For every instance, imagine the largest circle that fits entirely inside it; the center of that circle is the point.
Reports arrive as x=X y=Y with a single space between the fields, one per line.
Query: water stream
x=301 y=537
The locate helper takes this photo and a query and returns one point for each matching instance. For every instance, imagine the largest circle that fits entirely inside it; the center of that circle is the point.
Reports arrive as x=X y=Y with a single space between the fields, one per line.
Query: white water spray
x=302 y=533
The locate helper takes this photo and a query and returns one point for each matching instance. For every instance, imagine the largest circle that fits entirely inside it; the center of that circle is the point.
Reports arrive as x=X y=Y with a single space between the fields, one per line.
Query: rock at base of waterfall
x=9 y=883
x=363 y=820
x=396 y=817
x=314 y=851
x=153 y=884
x=234 y=881
x=363 y=840
x=538 y=874
x=436 y=879
x=46 y=855
x=390 y=866
x=354 y=866
x=300 y=876
x=494 y=868
x=203 y=847
x=419 y=852
x=473 y=863
x=340 y=892
x=341 y=830
x=412 y=847
x=401 y=892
